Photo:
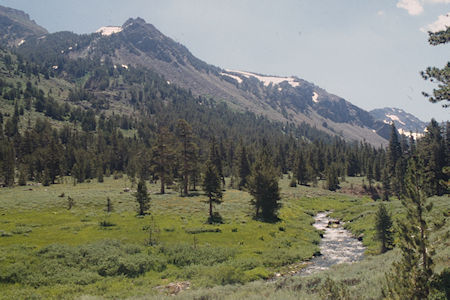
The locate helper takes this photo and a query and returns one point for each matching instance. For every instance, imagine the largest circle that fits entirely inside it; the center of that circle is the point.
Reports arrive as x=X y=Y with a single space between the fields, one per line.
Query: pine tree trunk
x=162 y=184
x=185 y=183
x=210 y=209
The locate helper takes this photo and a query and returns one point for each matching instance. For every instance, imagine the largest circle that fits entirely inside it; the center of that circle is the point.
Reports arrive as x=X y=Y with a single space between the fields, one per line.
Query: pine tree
x=215 y=158
x=439 y=75
x=7 y=162
x=332 y=180
x=301 y=170
x=212 y=187
x=383 y=226
x=142 y=197
x=386 y=184
x=244 y=167
x=188 y=153
x=162 y=157
x=398 y=178
x=100 y=174
x=263 y=186
x=431 y=150
x=22 y=175
x=394 y=151
x=414 y=271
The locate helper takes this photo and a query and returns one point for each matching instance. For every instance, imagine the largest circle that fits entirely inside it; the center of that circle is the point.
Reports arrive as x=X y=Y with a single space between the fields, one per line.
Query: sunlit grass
x=33 y=217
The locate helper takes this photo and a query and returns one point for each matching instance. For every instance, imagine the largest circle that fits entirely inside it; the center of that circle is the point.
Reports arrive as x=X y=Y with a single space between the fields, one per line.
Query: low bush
x=185 y=254
x=63 y=264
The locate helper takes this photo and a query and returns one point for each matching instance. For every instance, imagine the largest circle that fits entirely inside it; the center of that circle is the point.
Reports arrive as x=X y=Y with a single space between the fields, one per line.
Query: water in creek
x=337 y=246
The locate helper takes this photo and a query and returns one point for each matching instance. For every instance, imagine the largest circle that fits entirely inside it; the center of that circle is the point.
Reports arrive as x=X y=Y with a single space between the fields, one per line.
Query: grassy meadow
x=49 y=251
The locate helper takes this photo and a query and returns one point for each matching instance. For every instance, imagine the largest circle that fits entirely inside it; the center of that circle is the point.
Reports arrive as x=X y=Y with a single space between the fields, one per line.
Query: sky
x=369 y=52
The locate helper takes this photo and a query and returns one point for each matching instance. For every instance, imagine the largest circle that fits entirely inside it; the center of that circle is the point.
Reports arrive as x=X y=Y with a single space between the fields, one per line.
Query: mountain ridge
x=139 y=43
x=405 y=122
x=203 y=79
x=17 y=26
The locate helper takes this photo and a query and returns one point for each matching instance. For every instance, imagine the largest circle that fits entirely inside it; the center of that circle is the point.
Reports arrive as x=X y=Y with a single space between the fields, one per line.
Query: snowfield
x=315 y=97
x=108 y=30
x=395 y=118
x=239 y=79
x=267 y=80
x=415 y=135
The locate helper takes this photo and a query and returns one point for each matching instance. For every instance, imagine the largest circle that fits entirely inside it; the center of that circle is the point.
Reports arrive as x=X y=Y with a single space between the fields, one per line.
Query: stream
x=337 y=246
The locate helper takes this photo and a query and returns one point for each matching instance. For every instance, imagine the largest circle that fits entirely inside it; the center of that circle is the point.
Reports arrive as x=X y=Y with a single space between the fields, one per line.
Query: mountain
x=16 y=27
x=406 y=123
x=285 y=99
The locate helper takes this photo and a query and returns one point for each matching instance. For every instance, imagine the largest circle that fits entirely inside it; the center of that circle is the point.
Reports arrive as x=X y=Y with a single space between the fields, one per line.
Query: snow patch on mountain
x=237 y=78
x=395 y=118
x=315 y=97
x=405 y=123
x=415 y=135
x=108 y=30
x=267 y=80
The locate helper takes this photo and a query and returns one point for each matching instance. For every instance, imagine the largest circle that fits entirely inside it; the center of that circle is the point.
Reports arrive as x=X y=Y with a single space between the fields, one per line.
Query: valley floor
x=49 y=251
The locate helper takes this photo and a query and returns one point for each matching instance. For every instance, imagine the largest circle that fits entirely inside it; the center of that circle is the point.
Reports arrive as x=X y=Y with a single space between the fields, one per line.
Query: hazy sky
x=368 y=51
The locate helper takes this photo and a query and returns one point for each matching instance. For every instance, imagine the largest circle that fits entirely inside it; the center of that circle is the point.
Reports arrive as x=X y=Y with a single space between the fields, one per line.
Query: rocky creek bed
x=337 y=246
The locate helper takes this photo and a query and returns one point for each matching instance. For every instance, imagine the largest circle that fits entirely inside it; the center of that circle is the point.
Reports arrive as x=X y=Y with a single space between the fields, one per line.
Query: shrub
x=185 y=254
x=62 y=264
x=256 y=273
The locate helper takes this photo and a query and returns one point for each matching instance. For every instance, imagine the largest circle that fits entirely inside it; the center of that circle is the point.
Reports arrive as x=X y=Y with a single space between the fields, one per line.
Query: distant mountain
x=16 y=26
x=406 y=123
x=286 y=99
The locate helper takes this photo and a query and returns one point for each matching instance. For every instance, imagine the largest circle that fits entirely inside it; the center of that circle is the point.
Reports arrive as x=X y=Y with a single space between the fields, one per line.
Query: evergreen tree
x=215 y=158
x=195 y=176
x=7 y=162
x=394 y=151
x=162 y=157
x=244 y=167
x=52 y=160
x=383 y=226
x=431 y=150
x=386 y=184
x=414 y=271
x=263 y=186
x=22 y=175
x=398 y=178
x=212 y=187
x=439 y=75
x=332 y=180
x=188 y=153
x=301 y=170
x=142 y=197
x=100 y=174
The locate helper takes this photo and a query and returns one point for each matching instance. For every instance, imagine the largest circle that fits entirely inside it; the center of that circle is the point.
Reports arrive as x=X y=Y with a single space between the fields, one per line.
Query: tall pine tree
x=414 y=271
x=243 y=166
x=142 y=197
x=263 y=186
x=212 y=187
x=383 y=226
x=162 y=156
x=188 y=153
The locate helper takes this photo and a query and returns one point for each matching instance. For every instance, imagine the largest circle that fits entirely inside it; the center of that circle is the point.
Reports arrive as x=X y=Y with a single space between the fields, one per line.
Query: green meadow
x=50 y=251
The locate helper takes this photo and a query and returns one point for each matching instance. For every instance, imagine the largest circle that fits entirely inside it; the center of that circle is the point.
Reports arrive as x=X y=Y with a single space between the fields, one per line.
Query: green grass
x=34 y=218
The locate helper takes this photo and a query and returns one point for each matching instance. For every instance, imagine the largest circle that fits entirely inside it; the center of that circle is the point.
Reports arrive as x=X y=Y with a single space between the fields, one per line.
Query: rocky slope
x=137 y=43
x=16 y=26
x=406 y=123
